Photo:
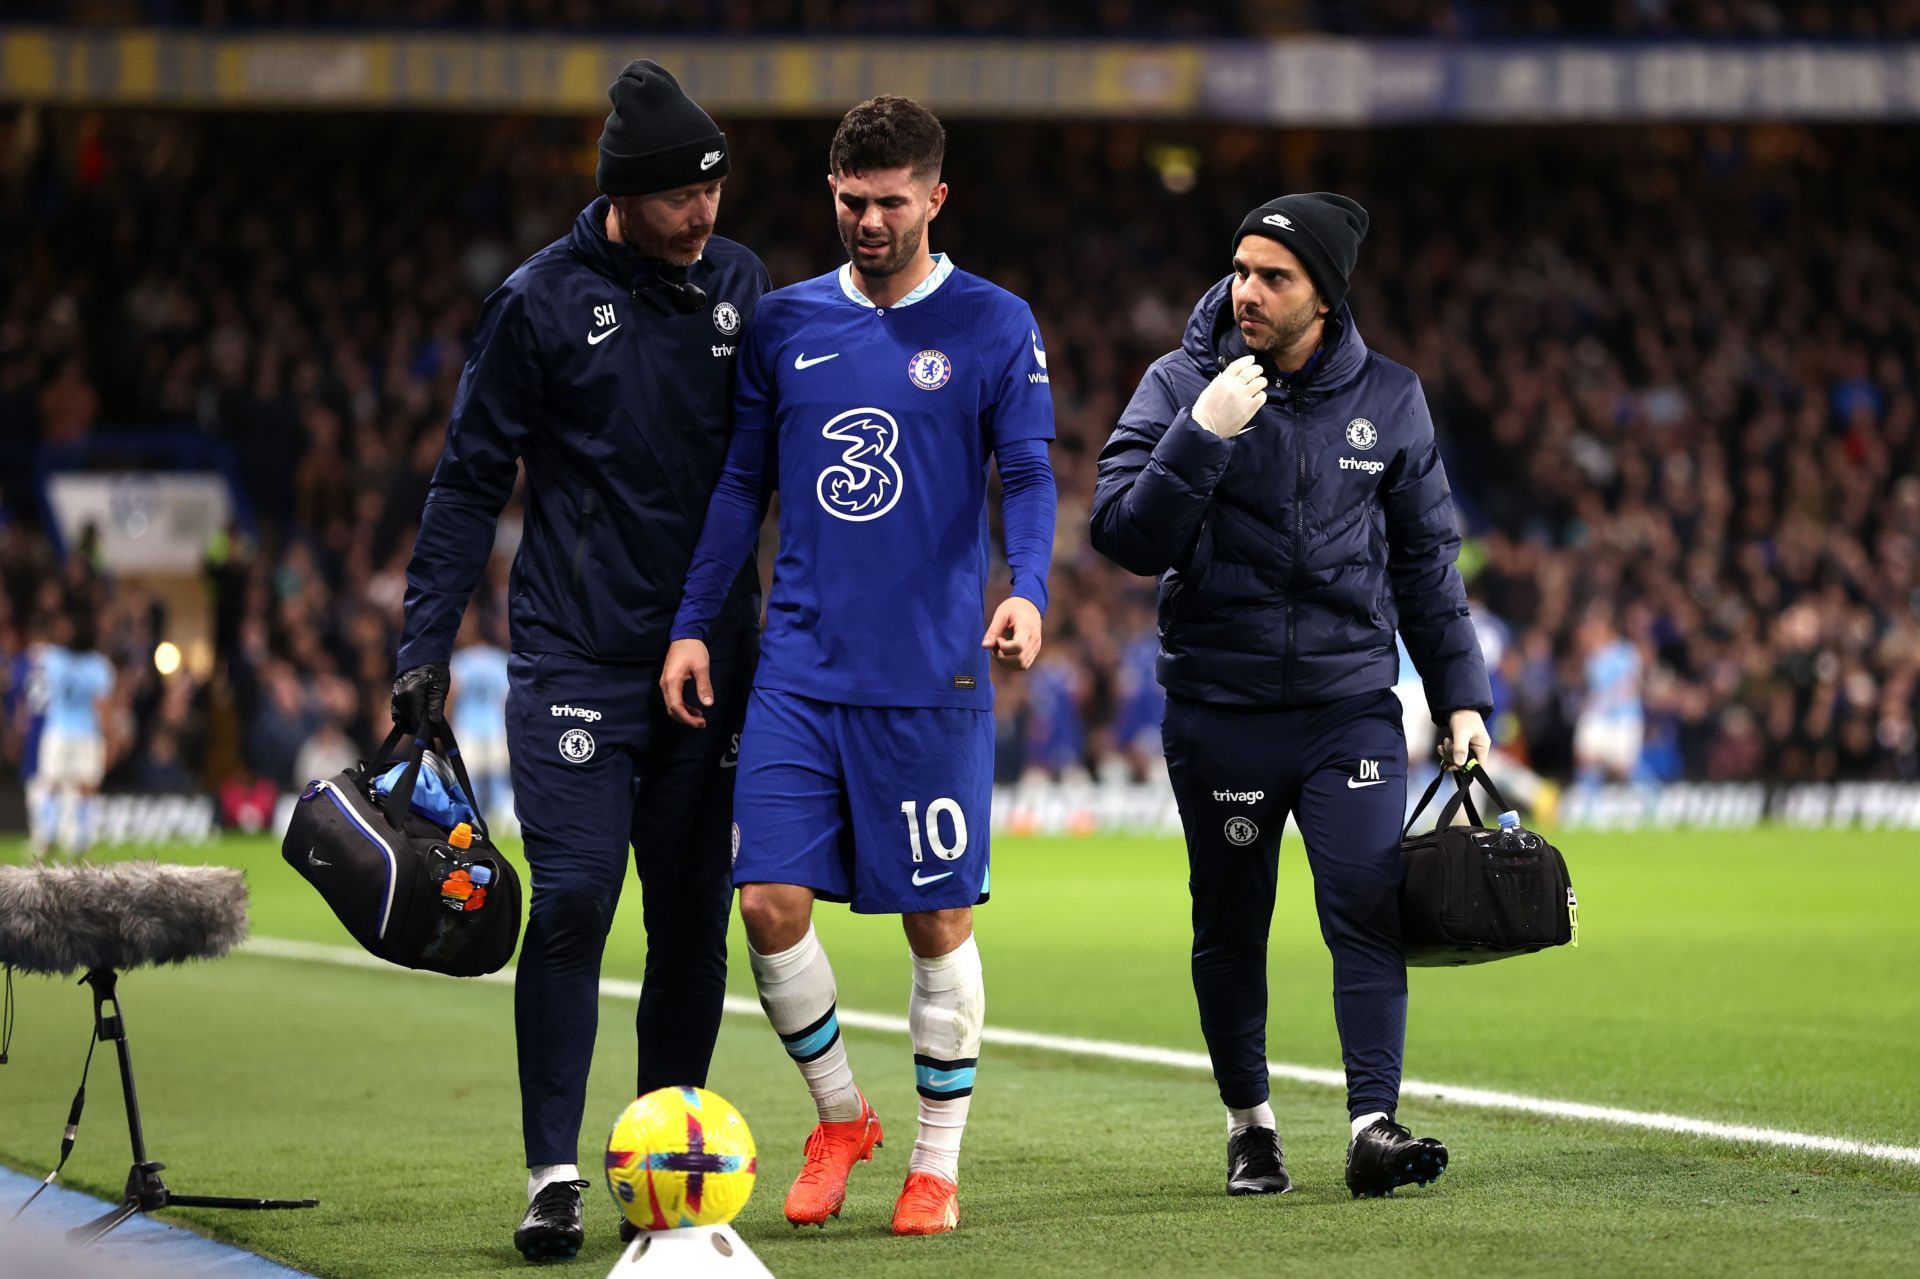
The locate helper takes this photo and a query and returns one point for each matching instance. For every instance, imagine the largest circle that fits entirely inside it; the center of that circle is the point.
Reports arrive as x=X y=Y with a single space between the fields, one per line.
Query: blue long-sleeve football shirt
x=877 y=426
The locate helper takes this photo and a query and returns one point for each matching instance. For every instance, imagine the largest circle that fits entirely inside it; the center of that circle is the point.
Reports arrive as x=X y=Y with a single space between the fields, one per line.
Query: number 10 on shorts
x=944 y=850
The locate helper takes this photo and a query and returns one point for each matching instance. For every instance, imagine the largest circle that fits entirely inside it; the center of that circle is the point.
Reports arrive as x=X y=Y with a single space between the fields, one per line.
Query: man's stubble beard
x=904 y=251
x=1288 y=330
x=657 y=248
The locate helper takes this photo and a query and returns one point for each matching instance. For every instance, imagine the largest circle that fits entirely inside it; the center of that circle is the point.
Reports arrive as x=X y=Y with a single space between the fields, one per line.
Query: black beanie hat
x=1324 y=231
x=656 y=138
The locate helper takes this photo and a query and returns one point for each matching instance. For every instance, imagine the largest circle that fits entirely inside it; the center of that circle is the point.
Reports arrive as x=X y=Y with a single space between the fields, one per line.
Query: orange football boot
x=929 y=1205
x=832 y=1151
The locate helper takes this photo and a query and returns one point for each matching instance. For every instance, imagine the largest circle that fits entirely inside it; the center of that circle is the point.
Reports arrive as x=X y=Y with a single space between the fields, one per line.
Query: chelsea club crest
x=930 y=370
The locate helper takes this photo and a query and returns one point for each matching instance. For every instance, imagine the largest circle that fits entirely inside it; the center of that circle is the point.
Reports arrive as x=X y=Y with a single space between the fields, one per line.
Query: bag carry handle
x=1426 y=797
x=1463 y=779
x=402 y=794
x=1474 y=771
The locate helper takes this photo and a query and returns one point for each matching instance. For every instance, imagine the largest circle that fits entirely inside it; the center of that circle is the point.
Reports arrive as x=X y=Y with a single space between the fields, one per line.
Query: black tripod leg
x=227 y=1201
x=80 y=1236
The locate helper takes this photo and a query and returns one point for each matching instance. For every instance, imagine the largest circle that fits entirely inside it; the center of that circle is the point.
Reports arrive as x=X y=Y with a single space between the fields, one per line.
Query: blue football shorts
x=885 y=808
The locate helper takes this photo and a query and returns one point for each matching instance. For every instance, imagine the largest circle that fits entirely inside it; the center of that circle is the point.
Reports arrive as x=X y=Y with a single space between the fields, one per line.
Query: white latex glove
x=1231 y=400
x=1466 y=732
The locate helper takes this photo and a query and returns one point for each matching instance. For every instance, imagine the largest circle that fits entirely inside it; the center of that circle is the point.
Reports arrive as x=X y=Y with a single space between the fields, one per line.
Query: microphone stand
x=145 y=1191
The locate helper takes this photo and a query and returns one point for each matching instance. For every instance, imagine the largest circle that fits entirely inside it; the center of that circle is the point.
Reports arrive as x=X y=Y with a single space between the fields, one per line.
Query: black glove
x=420 y=697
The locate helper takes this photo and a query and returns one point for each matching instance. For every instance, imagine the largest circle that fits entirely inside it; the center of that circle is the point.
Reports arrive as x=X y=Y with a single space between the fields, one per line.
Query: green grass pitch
x=1765 y=978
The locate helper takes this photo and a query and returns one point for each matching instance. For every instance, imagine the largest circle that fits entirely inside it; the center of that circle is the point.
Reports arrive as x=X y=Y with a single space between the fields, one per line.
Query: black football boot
x=552 y=1230
x=1386 y=1155
x=1255 y=1165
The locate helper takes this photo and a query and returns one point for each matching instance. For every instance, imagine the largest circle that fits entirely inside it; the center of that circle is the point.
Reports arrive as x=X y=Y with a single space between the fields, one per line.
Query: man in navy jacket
x=604 y=365
x=1283 y=483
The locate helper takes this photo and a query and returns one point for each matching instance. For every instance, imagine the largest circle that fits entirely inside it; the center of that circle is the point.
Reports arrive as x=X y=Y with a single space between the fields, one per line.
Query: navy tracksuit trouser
x=1341 y=770
x=597 y=767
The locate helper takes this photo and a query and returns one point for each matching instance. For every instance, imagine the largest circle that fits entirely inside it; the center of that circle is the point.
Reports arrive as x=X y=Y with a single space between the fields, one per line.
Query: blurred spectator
x=1608 y=738
x=477 y=712
x=1673 y=369
x=285 y=719
x=160 y=769
x=325 y=752
x=1056 y=731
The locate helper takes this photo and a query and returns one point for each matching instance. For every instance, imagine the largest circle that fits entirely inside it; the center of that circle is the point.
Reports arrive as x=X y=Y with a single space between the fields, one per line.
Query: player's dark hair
x=888 y=132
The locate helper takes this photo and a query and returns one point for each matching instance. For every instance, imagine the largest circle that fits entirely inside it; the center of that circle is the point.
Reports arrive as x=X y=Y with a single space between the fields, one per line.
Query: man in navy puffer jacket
x=1283 y=483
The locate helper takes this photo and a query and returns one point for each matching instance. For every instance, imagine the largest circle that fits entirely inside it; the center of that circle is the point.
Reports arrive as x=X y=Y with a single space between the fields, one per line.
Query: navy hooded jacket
x=1288 y=555
x=614 y=385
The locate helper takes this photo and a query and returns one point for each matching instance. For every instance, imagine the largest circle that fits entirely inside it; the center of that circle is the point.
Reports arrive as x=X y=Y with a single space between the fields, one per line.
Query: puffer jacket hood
x=1289 y=555
x=1212 y=341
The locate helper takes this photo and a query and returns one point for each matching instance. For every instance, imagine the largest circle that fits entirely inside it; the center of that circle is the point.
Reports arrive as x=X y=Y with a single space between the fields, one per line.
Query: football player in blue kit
x=874 y=399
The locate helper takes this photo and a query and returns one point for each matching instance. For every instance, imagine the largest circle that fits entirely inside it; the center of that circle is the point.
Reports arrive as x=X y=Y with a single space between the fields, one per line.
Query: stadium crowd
x=1673 y=372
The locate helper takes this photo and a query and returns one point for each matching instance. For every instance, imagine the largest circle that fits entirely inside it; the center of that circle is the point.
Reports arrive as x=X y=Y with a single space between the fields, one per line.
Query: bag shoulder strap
x=397 y=799
x=444 y=731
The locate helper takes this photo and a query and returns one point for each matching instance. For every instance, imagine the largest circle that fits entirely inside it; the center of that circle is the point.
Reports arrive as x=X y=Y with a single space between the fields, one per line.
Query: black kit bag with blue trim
x=1467 y=896
x=390 y=866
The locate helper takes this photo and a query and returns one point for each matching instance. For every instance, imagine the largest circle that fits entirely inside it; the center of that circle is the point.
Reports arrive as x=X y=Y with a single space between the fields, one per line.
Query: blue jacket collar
x=621 y=263
x=1212 y=341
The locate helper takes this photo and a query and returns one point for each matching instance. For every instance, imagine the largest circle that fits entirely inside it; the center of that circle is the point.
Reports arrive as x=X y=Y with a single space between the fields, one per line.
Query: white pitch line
x=1181 y=1059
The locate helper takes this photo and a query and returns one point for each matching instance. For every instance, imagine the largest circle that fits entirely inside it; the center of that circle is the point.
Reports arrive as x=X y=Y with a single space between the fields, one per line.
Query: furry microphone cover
x=72 y=918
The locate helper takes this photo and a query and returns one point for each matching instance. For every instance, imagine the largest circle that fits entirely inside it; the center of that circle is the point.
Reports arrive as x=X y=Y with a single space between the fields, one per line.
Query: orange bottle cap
x=461 y=836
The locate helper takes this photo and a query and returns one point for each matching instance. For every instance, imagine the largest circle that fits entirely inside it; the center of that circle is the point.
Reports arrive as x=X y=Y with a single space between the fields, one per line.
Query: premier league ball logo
x=930 y=370
x=1360 y=433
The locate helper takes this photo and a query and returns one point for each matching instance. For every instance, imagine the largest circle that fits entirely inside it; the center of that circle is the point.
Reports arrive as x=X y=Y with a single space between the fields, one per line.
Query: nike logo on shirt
x=1355 y=784
x=918 y=882
x=802 y=362
x=595 y=339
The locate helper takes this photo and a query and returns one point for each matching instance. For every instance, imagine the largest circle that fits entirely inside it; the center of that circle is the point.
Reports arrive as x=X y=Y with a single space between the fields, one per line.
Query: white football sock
x=43 y=814
x=945 y=1014
x=543 y=1175
x=67 y=820
x=1260 y=1116
x=796 y=988
x=1363 y=1122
